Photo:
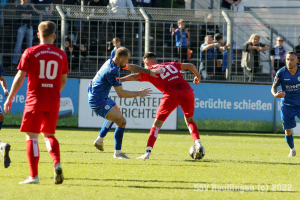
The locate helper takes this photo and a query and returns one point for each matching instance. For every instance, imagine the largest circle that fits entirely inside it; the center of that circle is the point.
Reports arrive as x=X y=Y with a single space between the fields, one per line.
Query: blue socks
x=119 y=132
x=105 y=128
x=1 y=125
x=290 y=140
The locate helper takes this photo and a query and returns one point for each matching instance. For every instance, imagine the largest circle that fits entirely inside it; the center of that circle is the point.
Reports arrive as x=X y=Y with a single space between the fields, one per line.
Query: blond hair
x=254 y=35
x=47 y=28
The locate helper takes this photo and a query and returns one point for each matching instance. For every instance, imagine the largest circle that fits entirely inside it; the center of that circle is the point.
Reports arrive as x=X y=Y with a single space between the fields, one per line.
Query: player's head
x=279 y=41
x=180 y=24
x=116 y=42
x=122 y=56
x=149 y=59
x=47 y=31
x=254 y=39
x=208 y=39
x=291 y=59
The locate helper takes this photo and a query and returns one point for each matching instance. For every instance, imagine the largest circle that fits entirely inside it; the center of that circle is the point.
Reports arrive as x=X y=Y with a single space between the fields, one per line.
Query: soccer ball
x=193 y=153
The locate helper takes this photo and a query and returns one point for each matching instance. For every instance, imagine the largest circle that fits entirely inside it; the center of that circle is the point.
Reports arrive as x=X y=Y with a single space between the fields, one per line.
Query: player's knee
x=122 y=122
x=1 y=117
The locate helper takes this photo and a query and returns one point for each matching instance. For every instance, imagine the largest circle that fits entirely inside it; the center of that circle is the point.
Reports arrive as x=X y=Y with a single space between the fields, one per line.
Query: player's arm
x=17 y=83
x=130 y=77
x=279 y=94
x=129 y=94
x=4 y=86
x=136 y=68
x=192 y=67
x=63 y=81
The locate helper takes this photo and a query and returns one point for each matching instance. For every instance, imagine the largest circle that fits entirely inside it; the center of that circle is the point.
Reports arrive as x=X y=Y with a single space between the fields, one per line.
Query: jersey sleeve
x=277 y=79
x=144 y=77
x=272 y=52
x=24 y=62
x=177 y=65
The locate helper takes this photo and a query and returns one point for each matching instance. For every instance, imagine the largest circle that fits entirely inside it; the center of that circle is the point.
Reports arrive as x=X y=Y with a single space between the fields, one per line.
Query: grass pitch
x=236 y=166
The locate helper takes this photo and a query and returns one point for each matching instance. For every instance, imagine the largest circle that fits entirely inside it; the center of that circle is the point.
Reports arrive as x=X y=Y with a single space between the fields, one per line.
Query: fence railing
x=91 y=30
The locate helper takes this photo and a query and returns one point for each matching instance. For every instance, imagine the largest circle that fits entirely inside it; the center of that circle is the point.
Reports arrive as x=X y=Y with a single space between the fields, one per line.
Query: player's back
x=105 y=78
x=45 y=65
x=170 y=77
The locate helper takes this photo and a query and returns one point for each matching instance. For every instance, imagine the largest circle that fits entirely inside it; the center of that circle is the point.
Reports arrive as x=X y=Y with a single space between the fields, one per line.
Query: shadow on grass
x=242 y=162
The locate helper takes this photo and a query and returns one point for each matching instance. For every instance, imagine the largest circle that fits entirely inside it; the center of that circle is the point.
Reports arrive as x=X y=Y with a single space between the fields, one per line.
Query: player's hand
x=280 y=94
x=196 y=80
x=6 y=94
x=145 y=92
x=155 y=71
x=7 y=106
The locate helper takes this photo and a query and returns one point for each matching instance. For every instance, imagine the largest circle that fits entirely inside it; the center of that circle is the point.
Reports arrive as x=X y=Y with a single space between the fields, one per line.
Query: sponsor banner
x=139 y=112
x=68 y=112
x=232 y=107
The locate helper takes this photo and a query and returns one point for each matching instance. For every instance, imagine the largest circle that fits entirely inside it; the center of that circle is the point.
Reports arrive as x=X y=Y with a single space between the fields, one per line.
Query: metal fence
x=92 y=29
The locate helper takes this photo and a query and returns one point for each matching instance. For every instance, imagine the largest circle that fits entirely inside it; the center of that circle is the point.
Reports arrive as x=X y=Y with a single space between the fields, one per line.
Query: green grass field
x=249 y=161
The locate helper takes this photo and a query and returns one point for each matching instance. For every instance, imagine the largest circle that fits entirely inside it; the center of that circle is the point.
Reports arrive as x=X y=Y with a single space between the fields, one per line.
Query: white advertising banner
x=139 y=111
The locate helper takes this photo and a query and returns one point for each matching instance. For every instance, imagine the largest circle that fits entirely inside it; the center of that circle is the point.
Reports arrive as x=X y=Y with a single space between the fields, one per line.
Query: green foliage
x=243 y=159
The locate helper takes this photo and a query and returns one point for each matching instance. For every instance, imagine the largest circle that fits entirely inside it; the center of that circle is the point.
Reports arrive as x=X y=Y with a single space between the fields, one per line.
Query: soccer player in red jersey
x=176 y=91
x=47 y=68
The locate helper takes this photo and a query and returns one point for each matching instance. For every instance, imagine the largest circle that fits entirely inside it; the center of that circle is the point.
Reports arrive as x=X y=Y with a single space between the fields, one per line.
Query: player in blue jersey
x=4 y=147
x=288 y=77
x=101 y=104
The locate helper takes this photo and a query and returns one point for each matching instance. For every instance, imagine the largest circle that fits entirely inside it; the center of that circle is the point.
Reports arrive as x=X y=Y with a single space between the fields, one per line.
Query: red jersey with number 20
x=171 y=76
x=45 y=64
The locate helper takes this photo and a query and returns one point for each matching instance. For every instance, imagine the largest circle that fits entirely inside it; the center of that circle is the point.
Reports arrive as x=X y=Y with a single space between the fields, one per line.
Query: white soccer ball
x=193 y=153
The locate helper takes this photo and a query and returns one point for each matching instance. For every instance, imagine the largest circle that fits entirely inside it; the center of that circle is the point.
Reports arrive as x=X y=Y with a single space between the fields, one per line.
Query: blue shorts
x=288 y=114
x=102 y=107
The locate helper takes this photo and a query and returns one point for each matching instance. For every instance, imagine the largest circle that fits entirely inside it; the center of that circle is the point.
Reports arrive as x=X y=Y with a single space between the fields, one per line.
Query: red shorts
x=182 y=95
x=39 y=121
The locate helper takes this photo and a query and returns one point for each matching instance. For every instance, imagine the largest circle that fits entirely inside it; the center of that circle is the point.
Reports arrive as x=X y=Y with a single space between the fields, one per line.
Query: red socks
x=33 y=155
x=193 y=130
x=152 y=136
x=53 y=148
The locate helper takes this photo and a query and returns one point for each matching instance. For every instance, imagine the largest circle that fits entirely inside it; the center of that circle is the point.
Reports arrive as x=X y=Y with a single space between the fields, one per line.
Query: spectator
x=297 y=49
x=25 y=28
x=169 y=27
x=210 y=28
x=94 y=24
x=143 y=3
x=117 y=44
x=117 y=7
x=45 y=10
x=251 y=56
x=78 y=23
x=220 y=48
x=181 y=38
x=226 y=4
x=208 y=55
x=73 y=53
x=277 y=56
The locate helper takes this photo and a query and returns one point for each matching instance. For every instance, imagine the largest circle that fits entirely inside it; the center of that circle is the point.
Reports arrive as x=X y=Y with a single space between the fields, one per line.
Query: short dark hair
x=115 y=40
x=122 y=52
x=149 y=55
x=47 y=28
x=292 y=52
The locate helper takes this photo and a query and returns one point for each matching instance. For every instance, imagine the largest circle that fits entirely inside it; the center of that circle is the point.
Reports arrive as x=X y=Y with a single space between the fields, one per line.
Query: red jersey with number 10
x=171 y=76
x=45 y=64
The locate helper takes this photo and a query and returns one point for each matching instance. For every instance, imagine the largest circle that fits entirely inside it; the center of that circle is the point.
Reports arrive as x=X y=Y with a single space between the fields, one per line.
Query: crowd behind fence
x=216 y=42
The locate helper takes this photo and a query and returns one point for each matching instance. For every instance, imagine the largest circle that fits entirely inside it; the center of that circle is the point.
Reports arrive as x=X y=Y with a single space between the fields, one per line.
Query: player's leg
x=4 y=147
x=288 y=123
x=52 y=144
x=31 y=125
x=168 y=103
x=187 y=106
x=98 y=143
x=115 y=116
